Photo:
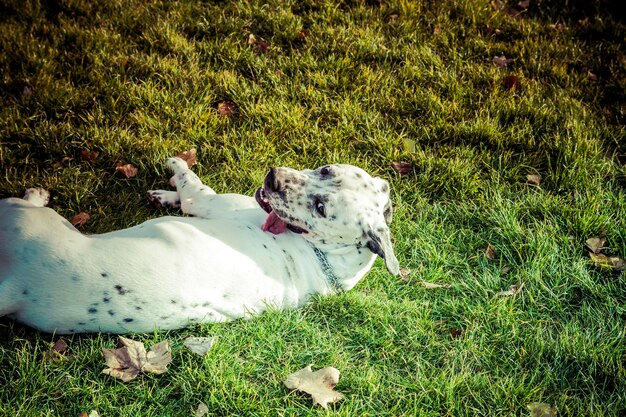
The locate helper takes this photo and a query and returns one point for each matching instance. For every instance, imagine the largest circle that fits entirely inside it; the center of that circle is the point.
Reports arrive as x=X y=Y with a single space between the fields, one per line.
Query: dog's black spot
x=121 y=290
x=128 y=320
x=25 y=292
x=173 y=302
x=71 y=330
x=104 y=274
x=265 y=246
x=206 y=304
x=164 y=317
x=75 y=278
x=81 y=323
x=92 y=310
x=106 y=299
x=111 y=313
x=138 y=308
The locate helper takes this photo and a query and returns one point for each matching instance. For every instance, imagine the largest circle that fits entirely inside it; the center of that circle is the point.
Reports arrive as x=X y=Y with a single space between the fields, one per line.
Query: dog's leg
x=162 y=198
x=38 y=197
x=190 y=196
x=185 y=178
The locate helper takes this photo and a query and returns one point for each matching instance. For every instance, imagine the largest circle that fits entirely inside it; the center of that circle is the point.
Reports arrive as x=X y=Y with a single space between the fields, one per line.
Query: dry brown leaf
x=404 y=274
x=615 y=263
x=88 y=155
x=56 y=352
x=541 y=410
x=128 y=361
x=202 y=410
x=456 y=333
x=189 y=157
x=596 y=243
x=318 y=384
x=490 y=252
x=501 y=61
x=63 y=162
x=505 y=270
x=303 y=34
x=431 y=286
x=260 y=44
x=402 y=168
x=199 y=345
x=511 y=82
x=533 y=179
x=513 y=290
x=592 y=76
x=226 y=108
x=126 y=170
x=80 y=219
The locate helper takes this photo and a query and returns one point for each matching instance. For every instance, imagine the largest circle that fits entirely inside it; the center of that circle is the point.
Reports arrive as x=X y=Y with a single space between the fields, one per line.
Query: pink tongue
x=274 y=224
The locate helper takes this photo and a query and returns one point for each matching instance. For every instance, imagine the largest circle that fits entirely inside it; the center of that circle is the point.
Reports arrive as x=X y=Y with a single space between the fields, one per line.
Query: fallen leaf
x=595 y=244
x=260 y=44
x=126 y=170
x=63 y=162
x=189 y=157
x=513 y=290
x=615 y=263
x=404 y=274
x=541 y=410
x=80 y=219
x=27 y=91
x=226 y=108
x=202 y=410
x=431 y=286
x=88 y=155
x=511 y=82
x=303 y=34
x=456 y=333
x=490 y=252
x=501 y=61
x=592 y=76
x=128 y=361
x=56 y=351
x=402 y=168
x=199 y=345
x=513 y=10
x=533 y=179
x=505 y=270
x=318 y=384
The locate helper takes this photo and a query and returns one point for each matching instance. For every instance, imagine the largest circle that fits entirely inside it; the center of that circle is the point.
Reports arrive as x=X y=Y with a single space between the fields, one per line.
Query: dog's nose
x=270 y=183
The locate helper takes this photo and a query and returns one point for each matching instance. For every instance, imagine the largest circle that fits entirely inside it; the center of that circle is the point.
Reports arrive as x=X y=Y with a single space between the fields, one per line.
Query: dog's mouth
x=273 y=223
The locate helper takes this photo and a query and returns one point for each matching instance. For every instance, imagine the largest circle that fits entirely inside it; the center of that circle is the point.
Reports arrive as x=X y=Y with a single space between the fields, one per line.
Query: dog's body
x=168 y=272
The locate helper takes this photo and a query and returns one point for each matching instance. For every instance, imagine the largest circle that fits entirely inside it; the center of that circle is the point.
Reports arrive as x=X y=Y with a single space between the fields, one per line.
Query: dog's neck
x=342 y=264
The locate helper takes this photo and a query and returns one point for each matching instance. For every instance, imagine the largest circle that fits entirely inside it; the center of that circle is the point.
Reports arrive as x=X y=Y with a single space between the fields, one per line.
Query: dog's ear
x=379 y=242
x=383 y=186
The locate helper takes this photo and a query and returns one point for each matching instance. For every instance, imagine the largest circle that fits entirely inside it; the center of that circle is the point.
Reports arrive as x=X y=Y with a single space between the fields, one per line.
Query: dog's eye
x=325 y=170
x=321 y=210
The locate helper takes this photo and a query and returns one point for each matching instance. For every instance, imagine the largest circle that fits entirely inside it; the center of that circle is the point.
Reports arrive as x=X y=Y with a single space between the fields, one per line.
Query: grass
x=368 y=83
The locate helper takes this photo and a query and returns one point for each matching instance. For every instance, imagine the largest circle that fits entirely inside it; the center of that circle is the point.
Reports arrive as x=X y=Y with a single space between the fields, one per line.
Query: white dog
x=322 y=234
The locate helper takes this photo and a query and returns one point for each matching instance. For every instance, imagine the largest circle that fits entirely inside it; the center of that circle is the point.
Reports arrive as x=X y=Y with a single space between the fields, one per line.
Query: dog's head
x=339 y=204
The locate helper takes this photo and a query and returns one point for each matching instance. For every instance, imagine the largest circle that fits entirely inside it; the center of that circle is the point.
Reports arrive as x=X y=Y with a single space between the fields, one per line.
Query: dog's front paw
x=161 y=198
x=37 y=197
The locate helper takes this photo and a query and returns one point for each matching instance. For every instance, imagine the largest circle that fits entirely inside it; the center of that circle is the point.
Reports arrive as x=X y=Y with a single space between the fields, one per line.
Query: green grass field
x=368 y=83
